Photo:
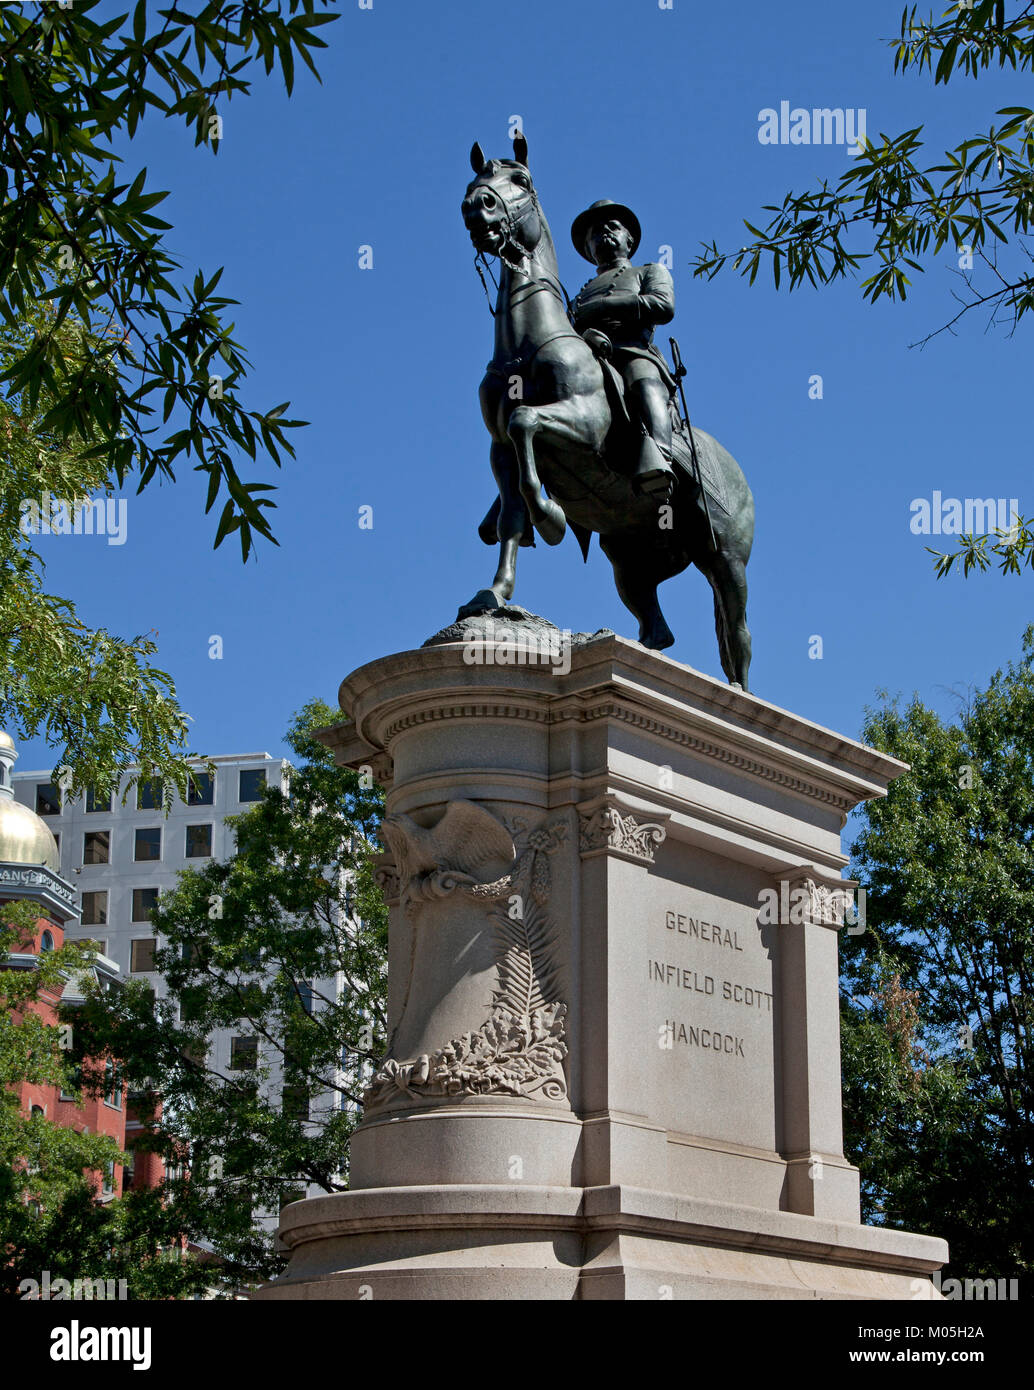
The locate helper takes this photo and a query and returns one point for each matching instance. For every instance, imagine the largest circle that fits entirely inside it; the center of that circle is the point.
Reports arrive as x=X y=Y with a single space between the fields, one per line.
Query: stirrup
x=654 y=473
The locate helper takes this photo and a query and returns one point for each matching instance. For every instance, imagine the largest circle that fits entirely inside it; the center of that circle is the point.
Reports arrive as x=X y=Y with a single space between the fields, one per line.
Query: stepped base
x=563 y=1243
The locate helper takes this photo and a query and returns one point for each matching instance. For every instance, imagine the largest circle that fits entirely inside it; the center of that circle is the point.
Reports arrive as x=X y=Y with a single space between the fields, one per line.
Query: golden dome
x=6 y=741
x=25 y=838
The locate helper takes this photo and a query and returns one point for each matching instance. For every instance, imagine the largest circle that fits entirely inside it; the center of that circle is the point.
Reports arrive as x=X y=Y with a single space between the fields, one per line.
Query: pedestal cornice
x=614 y=680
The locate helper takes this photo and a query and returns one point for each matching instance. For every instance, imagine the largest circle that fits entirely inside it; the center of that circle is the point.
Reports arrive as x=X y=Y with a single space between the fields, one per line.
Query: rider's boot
x=653 y=473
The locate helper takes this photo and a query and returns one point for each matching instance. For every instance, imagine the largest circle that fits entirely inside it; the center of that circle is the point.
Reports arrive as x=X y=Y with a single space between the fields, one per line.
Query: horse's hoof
x=658 y=641
x=551 y=525
x=482 y=602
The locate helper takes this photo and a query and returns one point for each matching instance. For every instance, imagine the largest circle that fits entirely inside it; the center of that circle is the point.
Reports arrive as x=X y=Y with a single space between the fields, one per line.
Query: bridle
x=514 y=213
x=513 y=216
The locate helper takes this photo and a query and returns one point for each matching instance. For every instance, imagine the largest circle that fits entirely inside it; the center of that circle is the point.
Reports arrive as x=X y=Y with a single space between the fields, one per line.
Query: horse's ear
x=477 y=158
x=520 y=149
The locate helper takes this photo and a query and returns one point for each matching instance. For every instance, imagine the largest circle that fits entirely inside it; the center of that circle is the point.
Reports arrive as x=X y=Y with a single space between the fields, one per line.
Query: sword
x=680 y=372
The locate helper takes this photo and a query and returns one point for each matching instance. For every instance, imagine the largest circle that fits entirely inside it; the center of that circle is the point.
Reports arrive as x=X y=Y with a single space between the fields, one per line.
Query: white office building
x=120 y=857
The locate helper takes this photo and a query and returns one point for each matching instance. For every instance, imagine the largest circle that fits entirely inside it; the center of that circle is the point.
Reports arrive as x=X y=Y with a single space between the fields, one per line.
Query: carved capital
x=606 y=831
x=809 y=896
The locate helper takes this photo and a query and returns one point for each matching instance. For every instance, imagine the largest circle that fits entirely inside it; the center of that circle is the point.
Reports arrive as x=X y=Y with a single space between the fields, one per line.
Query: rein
x=512 y=220
x=523 y=363
x=479 y=260
x=545 y=282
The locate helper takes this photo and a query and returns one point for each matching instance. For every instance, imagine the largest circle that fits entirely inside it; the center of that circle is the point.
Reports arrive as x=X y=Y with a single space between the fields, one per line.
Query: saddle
x=621 y=444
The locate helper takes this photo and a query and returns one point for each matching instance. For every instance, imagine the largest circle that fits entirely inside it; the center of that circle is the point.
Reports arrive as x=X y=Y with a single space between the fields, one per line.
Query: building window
x=97 y=800
x=108 y=1179
x=148 y=844
x=252 y=784
x=243 y=1054
x=305 y=995
x=199 y=841
x=46 y=941
x=196 y=1053
x=97 y=847
x=112 y=1084
x=57 y=842
x=48 y=799
x=149 y=795
x=75 y=1081
x=38 y=1112
x=295 y=1102
x=195 y=952
x=141 y=957
x=200 y=789
x=100 y=946
x=94 y=912
x=129 y=1169
x=144 y=901
x=192 y=1004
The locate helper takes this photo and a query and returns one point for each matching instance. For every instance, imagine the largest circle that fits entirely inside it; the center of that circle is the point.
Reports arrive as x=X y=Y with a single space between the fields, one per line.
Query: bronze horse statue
x=556 y=422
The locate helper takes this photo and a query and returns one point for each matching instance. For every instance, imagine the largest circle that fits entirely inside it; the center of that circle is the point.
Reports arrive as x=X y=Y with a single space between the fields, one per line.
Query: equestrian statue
x=583 y=416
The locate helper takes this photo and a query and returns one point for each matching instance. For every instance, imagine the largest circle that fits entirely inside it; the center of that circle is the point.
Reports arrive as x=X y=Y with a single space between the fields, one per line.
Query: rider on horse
x=616 y=313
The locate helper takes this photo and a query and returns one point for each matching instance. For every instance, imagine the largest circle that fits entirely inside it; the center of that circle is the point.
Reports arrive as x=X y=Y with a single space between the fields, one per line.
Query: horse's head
x=500 y=208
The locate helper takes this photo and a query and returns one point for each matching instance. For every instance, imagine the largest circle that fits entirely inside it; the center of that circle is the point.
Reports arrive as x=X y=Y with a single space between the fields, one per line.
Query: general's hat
x=603 y=210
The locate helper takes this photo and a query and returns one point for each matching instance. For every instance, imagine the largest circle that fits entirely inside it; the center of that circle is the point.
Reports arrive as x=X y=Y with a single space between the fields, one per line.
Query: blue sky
x=619 y=99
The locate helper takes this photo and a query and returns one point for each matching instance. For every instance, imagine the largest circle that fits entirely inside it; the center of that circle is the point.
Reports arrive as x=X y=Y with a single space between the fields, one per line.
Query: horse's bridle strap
x=518 y=363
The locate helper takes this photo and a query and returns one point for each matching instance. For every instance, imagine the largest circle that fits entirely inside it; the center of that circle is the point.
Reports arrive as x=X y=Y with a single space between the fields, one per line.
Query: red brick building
x=29 y=864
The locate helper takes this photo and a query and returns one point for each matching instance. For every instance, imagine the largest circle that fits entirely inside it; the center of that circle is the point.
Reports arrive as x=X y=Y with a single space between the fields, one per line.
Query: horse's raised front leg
x=547 y=518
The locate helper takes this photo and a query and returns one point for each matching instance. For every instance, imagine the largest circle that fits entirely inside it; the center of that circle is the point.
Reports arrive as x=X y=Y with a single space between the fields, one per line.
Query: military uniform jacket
x=626 y=303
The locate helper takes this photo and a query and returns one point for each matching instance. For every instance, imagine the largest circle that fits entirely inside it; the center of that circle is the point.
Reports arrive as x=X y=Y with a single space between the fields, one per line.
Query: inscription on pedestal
x=718 y=1043
x=709 y=987
x=732 y=991
x=704 y=931
x=709 y=999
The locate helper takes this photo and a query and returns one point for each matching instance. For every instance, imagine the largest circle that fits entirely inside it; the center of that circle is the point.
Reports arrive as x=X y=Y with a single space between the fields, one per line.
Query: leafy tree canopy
x=92 y=695
x=110 y=370
x=78 y=233
x=938 y=992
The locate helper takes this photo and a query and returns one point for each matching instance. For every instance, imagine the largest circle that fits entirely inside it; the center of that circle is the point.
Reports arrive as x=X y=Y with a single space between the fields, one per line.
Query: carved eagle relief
x=520 y=1049
x=467 y=842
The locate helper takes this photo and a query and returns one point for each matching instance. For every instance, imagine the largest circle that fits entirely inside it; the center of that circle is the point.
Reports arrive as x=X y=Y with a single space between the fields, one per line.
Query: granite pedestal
x=613 y=1066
